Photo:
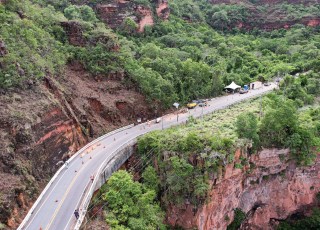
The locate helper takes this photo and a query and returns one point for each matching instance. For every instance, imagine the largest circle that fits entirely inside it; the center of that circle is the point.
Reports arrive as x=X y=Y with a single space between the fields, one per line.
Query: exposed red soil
x=146 y=18
x=104 y=102
x=162 y=9
x=49 y=122
x=74 y=32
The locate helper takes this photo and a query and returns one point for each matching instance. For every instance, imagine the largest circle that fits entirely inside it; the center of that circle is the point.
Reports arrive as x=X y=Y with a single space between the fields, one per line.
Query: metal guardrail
x=40 y=198
x=86 y=201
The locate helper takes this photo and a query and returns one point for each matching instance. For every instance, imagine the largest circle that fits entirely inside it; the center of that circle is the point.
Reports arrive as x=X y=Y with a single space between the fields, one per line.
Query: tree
x=129 y=26
x=130 y=205
x=220 y=19
x=72 y=12
x=84 y=13
x=87 y=14
x=310 y=222
x=239 y=216
x=179 y=179
x=279 y=123
x=247 y=127
x=150 y=179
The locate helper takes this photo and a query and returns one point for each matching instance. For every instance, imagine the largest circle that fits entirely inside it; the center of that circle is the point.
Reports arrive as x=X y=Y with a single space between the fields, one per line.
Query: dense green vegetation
x=180 y=161
x=185 y=158
x=247 y=127
x=312 y=222
x=227 y=17
x=172 y=61
x=191 y=55
x=37 y=46
x=131 y=205
x=33 y=49
x=188 y=156
x=202 y=61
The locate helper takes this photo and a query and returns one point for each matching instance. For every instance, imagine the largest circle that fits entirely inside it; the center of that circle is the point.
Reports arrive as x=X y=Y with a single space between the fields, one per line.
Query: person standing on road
x=66 y=163
x=92 y=178
x=76 y=213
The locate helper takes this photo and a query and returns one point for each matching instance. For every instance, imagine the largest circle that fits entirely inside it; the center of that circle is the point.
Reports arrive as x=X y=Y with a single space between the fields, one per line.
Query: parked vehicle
x=201 y=101
x=191 y=105
x=158 y=120
x=242 y=91
x=202 y=104
x=266 y=83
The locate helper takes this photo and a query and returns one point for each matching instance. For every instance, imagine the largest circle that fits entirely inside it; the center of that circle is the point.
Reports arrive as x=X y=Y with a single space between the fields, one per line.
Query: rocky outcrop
x=114 y=12
x=273 y=187
x=3 y=50
x=74 y=33
x=145 y=18
x=36 y=132
x=269 y=26
x=162 y=9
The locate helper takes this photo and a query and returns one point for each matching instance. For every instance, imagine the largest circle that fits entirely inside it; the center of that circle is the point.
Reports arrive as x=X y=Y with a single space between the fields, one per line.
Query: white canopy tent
x=233 y=86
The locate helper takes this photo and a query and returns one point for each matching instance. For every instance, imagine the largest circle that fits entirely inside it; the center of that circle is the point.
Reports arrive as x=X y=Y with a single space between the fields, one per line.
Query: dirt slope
x=47 y=123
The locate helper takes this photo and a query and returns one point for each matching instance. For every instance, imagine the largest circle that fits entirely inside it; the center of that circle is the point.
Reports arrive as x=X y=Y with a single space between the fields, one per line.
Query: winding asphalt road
x=55 y=209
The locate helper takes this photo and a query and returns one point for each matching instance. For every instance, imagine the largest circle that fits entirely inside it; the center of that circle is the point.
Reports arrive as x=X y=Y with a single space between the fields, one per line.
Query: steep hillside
x=73 y=70
x=262 y=14
x=51 y=106
x=49 y=122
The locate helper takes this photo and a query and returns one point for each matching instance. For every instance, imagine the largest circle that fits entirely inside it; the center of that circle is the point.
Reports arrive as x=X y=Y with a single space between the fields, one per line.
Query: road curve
x=54 y=208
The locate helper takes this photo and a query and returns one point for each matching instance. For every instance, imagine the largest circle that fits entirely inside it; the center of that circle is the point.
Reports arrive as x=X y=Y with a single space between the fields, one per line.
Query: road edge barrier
x=55 y=176
x=86 y=201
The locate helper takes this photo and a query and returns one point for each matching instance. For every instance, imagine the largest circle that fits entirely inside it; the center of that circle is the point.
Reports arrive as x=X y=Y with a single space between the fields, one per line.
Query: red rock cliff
x=114 y=12
x=273 y=189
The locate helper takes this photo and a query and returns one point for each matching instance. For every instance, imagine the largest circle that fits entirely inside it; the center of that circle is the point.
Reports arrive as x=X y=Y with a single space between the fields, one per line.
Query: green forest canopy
x=175 y=60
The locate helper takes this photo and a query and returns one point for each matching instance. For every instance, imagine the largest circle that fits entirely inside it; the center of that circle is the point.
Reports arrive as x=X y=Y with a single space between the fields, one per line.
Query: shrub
x=131 y=205
x=247 y=127
x=239 y=216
